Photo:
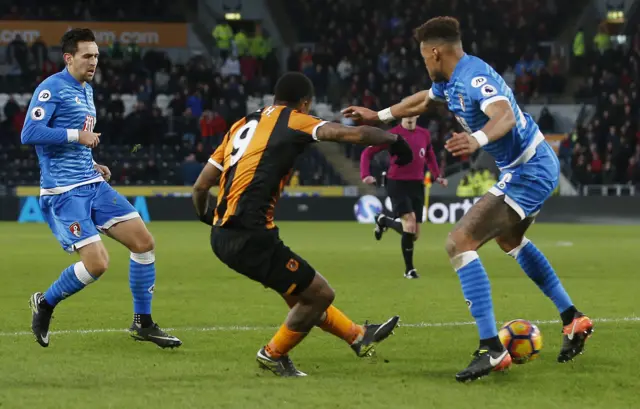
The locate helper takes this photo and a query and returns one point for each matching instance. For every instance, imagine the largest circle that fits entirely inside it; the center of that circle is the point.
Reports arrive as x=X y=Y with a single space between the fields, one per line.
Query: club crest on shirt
x=293 y=265
x=422 y=152
x=75 y=229
x=461 y=99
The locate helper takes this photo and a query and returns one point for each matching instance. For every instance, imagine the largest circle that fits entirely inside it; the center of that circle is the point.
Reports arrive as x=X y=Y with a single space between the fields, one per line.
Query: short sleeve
x=436 y=92
x=485 y=90
x=217 y=158
x=44 y=104
x=306 y=125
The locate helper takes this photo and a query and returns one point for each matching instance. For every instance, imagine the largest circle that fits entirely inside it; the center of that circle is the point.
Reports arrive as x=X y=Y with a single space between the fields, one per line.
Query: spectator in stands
x=260 y=45
x=144 y=94
x=188 y=126
x=194 y=104
x=222 y=34
x=178 y=104
x=633 y=171
x=40 y=53
x=206 y=126
x=18 y=119
x=602 y=40
x=11 y=108
x=241 y=43
x=190 y=169
x=609 y=173
x=161 y=81
x=230 y=67
x=578 y=52
x=509 y=77
x=201 y=153
x=18 y=54
x=294 y=181
x=580 y=171
x=546 y=121
x=465 y=188
x=345 y=69
x=595 y=168
x=248 y=68
x=116 y=52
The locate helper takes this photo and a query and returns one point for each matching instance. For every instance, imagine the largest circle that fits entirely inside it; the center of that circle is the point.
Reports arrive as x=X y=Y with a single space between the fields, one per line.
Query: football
x=522 y=339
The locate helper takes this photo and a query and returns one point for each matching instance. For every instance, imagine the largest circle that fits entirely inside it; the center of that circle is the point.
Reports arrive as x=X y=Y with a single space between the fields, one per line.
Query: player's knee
x=457 y=243
x=508 y=243
x=98 y=265
x=409 y=223
x=319 y=293
x=323 y=295
x=144 y=243
x=326 y=297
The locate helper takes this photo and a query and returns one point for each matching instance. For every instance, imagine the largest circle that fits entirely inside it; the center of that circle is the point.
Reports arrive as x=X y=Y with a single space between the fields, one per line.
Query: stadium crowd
x=379 y=63
x=178 y=112
x=607 y=150
x=93 y=10
x=372 y=65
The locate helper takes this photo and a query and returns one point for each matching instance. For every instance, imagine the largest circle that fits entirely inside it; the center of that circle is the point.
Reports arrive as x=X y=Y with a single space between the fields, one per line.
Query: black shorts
x=263 y=257
x=407 y=196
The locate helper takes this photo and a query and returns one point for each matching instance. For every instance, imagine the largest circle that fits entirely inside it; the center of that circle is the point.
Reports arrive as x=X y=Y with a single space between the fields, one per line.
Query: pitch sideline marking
x=634 y=320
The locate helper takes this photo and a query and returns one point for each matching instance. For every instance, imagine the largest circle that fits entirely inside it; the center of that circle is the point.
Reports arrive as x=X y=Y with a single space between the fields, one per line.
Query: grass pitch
x=223 y=319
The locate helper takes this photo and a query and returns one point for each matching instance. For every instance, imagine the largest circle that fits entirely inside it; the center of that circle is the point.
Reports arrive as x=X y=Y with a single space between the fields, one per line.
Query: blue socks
x=142 y=279
x=73 y=279
x=537 y=267
x=477 y=292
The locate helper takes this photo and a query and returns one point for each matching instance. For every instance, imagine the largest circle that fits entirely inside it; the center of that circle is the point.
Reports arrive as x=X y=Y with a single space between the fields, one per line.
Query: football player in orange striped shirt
x=252 y=166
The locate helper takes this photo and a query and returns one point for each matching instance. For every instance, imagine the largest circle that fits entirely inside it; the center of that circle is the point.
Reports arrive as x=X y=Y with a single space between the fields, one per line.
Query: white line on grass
x=264 y=328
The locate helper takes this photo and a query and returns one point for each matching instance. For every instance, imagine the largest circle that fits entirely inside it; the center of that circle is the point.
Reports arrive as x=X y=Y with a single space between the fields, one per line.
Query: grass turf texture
x=223 y=319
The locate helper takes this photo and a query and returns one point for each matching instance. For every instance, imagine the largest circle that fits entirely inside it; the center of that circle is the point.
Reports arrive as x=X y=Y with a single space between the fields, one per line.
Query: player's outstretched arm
x=366 y=135
x=413 y=105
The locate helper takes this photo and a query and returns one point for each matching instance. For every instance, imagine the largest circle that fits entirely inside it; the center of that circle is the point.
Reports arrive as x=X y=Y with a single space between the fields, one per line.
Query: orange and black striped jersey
x=256 y=158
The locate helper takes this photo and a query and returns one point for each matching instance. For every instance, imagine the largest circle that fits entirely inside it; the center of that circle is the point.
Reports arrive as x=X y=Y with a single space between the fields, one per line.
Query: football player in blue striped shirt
x=491 y=118
x=75 y=198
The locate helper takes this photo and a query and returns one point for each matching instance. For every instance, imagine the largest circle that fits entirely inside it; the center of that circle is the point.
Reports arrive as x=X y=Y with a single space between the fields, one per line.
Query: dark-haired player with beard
x=75 y=198
x=491 y=118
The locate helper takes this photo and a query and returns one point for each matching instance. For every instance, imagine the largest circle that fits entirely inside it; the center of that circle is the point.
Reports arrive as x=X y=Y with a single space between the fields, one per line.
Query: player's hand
x=104 y=171
x=88 y=139
x=462 y=144
x=369 y=180
x=402 y=151
x=207 y=218
x=444 y=182
x=361 y=114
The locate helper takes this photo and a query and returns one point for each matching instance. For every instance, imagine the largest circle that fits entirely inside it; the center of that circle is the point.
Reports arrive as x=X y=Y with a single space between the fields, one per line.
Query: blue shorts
x=76 y=217
x=526 y=187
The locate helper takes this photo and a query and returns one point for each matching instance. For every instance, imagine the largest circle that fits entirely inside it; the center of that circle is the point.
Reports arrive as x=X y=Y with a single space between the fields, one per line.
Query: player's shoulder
x=55 y=81
x=51 y=87
x=238 y=124
x=477 y=73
